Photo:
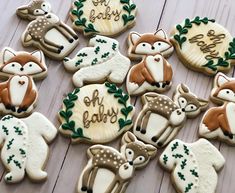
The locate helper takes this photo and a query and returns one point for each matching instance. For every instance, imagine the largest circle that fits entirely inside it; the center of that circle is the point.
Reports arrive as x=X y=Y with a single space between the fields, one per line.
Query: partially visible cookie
x=204 y=45
x=193 y=166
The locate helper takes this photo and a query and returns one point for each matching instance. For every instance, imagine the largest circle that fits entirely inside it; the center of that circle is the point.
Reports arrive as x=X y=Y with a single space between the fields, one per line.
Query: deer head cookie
x=98 y=63
x=218 y=122
x=161 y=118
x=114 y=169
x=47 y=32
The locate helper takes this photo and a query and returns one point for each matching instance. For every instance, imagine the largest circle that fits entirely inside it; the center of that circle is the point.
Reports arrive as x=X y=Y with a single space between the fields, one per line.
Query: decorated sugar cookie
x=96 y=113
x=104 y=17
x=204 y=45
x=141 y=45
x=161 y=118
x=47 y=32
x=193 y=171
x=109 y=170
x=102 y=61
x=218 y=122
x=24 y=146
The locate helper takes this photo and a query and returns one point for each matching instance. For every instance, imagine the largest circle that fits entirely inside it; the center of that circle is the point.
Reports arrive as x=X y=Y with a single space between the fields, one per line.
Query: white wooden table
x=66 y=161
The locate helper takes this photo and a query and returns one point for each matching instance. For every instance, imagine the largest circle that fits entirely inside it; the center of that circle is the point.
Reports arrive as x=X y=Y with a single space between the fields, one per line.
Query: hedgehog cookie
x=192 y=170
x=96 y=113
x=204 y=45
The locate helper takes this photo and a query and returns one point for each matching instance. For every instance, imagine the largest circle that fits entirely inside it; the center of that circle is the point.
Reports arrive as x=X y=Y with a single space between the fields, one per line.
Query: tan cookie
x=204 y=45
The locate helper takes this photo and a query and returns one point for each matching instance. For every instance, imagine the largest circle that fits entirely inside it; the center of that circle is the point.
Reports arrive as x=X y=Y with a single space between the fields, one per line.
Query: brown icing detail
x=227 y=85
x=116 y=162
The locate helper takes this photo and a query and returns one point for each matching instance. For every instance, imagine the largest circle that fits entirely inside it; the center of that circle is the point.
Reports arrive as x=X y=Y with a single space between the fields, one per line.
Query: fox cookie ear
x=161 y=33
x=8 y=53
x=220 y=79
x=38 y=54
x=134 y=37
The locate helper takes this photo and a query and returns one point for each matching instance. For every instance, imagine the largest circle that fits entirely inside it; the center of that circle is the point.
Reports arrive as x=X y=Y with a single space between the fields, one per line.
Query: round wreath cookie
x=204 y=45
x=104 y=17
x=96 y=113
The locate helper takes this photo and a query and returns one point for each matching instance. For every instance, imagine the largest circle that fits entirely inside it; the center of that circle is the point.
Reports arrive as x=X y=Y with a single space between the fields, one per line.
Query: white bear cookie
x=96 y=113
x=193 y=165
x=24 y=146
x=100 y=62
x=110 y=171
x=47 y=32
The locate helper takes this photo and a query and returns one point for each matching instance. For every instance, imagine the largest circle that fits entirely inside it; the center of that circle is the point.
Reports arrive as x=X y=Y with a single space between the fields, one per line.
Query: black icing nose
x=48 y=16
x=131 y=163
x=183 y=109
x=153 y=47
x=21 y=69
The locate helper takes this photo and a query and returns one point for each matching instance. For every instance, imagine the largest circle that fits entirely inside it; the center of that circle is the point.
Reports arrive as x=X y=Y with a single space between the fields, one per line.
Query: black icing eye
x=30 y=65
x=140 y=158
x=143 y=45
x=227 y=92
x=37 y=11
x=159 y=43
x=191 y=107
x=130 y=152
x=182 y=101
x=13 y=65
x=43 y=5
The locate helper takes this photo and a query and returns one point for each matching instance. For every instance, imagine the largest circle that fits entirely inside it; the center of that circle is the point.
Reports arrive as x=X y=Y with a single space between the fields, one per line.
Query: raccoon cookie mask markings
x=96 y=113
x=161 y=117
x=99 y=62
x=19 y=94
x=47 y=32
x=190 y=166
x=218 y=122
x=212 y=48
x=113 y=169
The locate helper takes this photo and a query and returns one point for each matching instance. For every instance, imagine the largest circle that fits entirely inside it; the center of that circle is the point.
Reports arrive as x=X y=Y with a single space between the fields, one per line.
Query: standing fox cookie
x=161 y=118
x=47 y=32
x=193 y=166
x=218 y=122
x=99 y=63
x=110 y=171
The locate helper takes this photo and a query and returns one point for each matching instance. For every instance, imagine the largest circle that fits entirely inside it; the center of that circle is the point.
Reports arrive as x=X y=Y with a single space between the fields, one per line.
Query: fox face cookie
x=103 y=17
x=161 y=117
x=204 y=45
x=24 y=146
x=96 y=113
x=100 y=62
x=192 y=170
x=113 y=169
x=218 y=122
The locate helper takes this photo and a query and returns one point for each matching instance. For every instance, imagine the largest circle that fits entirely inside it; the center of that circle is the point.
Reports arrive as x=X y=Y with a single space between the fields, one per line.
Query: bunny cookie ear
x=8 y=54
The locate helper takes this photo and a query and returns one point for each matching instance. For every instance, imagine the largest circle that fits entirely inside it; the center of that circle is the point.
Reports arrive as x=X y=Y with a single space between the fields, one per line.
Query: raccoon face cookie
x=191 y=167
x=96 y=113
x=113 y=169
x=104 y=17
x=218 y=122
x=100 y=62
x=161 y=117
x=204 y=45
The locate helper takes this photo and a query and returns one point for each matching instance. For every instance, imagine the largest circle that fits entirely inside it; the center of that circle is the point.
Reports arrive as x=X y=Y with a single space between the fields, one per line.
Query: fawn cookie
x=103 y=17
x=47 y=32
x=141 y=45
x=218 y=122
x=161 y=117
x=109 y=170
x=192 y=170
x=96 y=113
x=24 y=146
x=99 y=62
x=204 y=45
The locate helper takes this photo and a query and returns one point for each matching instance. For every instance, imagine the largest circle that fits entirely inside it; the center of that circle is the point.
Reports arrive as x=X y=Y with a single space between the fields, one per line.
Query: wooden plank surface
x=66 y=161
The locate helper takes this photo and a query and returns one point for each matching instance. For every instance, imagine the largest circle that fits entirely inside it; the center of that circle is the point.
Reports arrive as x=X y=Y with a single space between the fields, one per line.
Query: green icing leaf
x=10 y=158
x=18 y=131
x=17 y=163
x=101 y=41
x=181 y=176
x=9 y=178
x=7 y=117
x=10 y=144
x=94 y=61
x=114 y=46
x=128 y=8
x=177 y=155
x=5 y=130
x=105 y=55
x=194 y=173
x=174 y=146
x=79 y=62
x=186 y=150
x=165 y=159
x=22 y=152
x=188 y=187
x=97 y=49
x=183 y=164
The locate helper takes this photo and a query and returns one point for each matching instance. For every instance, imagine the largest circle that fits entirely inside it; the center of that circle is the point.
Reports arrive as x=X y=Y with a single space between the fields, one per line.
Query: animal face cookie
x=109 y=170
x=191 y=167
x=161 y=118
x=102 y=61
x=218 y=122
x=96 y=113
x=24 y=146
x=104 y=17
x=141 y=45
x=153 y=73
x=204 y=45
x=47 y=32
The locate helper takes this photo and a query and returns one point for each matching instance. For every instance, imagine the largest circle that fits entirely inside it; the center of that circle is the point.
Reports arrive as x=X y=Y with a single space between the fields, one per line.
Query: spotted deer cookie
x=204 y=45
x=218 y=122
x=100 y=62
x=161 y=117
x=192 y=170
x=47 y=32
x=104 y=17
x=109 y=170
x=96 y=113
x=24 y=145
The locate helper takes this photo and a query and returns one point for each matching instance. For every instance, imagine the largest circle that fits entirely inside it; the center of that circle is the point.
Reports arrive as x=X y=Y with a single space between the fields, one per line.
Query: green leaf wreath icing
x=211 y=64
x=128 y=8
